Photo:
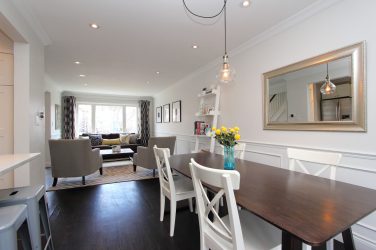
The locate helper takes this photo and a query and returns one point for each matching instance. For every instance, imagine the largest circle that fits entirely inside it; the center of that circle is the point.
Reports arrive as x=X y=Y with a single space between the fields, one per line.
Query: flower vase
x=229 y=163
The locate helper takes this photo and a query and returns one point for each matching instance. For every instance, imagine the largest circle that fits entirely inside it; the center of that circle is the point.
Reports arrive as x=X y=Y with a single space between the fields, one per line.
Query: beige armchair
x=74 y=158
x=145 y=155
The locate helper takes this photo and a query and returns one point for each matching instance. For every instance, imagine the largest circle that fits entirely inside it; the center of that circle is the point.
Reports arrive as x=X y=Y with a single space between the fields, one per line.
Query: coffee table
x=109 y=155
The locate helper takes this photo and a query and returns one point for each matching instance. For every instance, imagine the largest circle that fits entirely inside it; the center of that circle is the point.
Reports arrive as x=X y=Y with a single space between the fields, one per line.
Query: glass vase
x=229 y=159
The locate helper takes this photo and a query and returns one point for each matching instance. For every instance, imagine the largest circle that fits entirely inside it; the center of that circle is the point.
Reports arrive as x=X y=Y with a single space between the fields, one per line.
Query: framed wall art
x=158 y=114
x=176 y=111
x=166 y=113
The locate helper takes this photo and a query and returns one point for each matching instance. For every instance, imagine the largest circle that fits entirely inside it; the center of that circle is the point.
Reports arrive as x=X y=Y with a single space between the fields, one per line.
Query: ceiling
x=138 y=38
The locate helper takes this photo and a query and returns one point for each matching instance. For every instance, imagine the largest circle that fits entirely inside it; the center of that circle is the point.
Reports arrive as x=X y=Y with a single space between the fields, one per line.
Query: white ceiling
x=138 y=38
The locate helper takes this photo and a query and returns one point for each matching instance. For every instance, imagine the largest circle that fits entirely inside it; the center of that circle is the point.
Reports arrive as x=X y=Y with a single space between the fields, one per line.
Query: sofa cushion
x=133 y=138
x=111 y=136
x=95 y=140
x=111 y=141
x=124 y=139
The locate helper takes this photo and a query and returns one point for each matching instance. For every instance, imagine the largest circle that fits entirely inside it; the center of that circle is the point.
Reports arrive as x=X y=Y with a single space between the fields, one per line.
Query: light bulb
x=246 y=3
x=226 y=73
x=328 y=87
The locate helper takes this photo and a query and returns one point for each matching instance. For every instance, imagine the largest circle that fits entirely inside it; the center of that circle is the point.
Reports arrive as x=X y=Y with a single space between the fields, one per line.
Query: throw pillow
x=95 y=140
x=125 y=139
x=111 y=142
x=133 y=138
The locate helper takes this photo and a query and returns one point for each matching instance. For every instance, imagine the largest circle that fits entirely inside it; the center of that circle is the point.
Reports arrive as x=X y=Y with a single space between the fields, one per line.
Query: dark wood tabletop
x=311 y=208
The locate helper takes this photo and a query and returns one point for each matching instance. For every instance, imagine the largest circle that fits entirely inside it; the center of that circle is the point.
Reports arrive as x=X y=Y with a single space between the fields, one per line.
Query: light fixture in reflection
x=328 y=87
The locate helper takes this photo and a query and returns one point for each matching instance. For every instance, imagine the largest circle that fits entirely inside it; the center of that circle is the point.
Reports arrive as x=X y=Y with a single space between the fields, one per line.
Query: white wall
x=313 y=32
x=28 y=91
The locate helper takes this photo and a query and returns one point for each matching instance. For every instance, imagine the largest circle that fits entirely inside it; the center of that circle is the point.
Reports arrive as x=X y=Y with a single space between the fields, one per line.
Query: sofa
x=106 y=141
x=145 y=155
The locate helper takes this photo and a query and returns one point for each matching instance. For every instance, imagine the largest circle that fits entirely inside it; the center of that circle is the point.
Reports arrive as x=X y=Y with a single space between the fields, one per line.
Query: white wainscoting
x=354 y=168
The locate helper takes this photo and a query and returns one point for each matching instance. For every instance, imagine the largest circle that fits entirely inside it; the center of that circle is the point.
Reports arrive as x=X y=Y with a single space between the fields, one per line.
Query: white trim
x=365 y=240
x=25 y=9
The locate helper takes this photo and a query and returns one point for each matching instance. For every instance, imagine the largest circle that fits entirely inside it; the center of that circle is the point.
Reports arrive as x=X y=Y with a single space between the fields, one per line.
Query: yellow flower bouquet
x=226 y=136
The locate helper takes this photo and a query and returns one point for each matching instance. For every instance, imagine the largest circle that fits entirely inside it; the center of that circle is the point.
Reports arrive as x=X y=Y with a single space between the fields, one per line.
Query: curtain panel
x=69 y=103
x=144 y=124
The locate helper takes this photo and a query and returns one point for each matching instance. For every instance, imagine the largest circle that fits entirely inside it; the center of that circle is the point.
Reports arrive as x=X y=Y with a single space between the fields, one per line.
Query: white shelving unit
x=209 y=114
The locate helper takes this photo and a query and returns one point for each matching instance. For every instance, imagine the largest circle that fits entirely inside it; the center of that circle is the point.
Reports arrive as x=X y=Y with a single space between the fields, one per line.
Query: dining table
x=306 y=208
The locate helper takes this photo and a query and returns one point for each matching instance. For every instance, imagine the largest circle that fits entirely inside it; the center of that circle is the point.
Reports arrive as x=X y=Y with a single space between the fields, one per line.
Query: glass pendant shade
x=226 y=73
x=328 y=87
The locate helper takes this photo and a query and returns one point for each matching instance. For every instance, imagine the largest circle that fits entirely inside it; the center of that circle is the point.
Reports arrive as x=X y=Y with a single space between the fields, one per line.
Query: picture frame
x=57 y=117
x=166 y=113
x=158 y=114
x=176 y=111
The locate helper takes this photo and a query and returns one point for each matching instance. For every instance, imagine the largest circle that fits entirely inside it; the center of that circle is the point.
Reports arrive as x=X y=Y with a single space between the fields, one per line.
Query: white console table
x=11 y=161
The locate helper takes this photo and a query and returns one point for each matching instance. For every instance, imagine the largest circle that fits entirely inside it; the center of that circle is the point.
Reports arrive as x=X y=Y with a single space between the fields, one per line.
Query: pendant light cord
x=202 y=16
x=224 y=14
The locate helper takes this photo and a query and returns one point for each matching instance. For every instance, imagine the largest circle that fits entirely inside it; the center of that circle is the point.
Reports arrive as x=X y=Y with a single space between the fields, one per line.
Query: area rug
x=111 y=174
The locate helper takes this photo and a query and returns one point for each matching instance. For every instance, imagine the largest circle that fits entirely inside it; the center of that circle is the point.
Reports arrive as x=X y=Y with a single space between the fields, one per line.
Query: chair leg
x=55 y=182
x=190 y=205
x=101 y=171
x=83 y=180
x=162 y=206
x=172 y=216
x=134 y=168
x=45 y=222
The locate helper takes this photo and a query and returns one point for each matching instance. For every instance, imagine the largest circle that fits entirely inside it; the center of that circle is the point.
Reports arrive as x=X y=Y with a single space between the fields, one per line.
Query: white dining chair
x=174 y=187
x=237 y=230
x=327 y=161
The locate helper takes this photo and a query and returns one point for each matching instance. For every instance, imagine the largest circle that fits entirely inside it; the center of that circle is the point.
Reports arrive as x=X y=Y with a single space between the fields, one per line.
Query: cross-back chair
x=174 y=187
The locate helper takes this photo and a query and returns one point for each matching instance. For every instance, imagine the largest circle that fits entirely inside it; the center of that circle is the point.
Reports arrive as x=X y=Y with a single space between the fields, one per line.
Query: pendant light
x=328 y=87
x=226 y=73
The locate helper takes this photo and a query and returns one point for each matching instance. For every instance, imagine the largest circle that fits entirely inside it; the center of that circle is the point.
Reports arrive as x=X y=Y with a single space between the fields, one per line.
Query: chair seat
x=21 y=194
x=183 y=185
x=257 y=234
x=12 y=216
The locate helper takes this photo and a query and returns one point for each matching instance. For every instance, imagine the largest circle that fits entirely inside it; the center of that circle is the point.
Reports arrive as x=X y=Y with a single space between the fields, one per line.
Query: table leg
x=290 y=242
x=348 y=240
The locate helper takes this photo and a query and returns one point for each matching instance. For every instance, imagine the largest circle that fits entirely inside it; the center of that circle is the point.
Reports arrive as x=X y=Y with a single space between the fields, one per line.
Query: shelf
x=214 y=92
x=211 y=113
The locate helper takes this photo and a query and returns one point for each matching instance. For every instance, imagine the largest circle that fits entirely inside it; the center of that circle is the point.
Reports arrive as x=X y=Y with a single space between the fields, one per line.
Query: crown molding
x=25 y=9
x=284 y=25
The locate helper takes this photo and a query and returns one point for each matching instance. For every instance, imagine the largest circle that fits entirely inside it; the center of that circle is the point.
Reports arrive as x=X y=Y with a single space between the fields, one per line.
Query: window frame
x=93 y=113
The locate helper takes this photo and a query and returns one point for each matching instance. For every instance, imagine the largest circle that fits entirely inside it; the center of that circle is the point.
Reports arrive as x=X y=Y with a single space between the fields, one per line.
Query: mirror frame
x=358 y=122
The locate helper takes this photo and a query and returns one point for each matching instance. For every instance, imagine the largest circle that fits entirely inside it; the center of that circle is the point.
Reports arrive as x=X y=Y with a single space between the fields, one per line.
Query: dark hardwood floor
x=118 y=216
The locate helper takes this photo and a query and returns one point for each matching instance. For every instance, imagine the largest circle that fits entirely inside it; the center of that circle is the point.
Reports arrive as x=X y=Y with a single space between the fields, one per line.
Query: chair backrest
x=239 y=150
x=163 y=142
x=70 y=157
x=217 y=231
x=166 y=180
x=329 y=160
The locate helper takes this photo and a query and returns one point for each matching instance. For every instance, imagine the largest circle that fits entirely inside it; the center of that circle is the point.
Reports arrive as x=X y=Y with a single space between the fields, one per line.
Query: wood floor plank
x=118 y=216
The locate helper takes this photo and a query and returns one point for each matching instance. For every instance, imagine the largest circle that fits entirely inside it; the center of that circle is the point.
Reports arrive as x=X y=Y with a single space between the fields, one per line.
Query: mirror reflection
x=321 y=92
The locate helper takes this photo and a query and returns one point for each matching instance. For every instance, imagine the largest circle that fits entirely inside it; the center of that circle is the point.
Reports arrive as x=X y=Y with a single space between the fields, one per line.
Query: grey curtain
x=144 y=125
x=69 y=103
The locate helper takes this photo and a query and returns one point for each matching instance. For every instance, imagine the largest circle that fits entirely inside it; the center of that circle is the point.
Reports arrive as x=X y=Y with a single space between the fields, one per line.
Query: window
x=97 y=118
x=131 y=119
x=84 y=118
x=108 y=119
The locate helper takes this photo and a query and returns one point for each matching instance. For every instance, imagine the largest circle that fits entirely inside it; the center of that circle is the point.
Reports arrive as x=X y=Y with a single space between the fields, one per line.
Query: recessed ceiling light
x=94 y=26
x=77 y=62
x=157 y=72
x=147 y=82
x=82 y=75
x=246 y=3
x=194 y=46
x=85 y=84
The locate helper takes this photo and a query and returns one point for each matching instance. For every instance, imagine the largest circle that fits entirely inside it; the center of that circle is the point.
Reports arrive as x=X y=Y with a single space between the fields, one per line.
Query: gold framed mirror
x=326 y=93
